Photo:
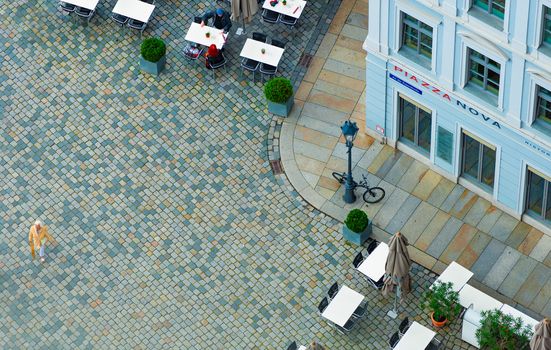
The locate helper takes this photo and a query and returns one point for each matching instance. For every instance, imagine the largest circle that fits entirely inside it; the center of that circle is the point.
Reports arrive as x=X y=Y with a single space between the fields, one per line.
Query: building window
x=492 y=7
x=479 y=161
x=546 y=35
x=415 y=124
x=484 y=73
x=543 y=107
x=416 y=37
x=538 y=197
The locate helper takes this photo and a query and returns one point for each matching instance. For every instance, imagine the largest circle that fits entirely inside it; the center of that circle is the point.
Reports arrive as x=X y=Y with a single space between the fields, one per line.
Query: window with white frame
x=543 y=107
x=538 y=196
x=483 y=73
x=416 y=40
x=546 y=27
x=491 y=12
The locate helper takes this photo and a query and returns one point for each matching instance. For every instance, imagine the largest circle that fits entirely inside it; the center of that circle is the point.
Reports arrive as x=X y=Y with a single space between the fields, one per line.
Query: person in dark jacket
x=213 y=56
x=221 y=19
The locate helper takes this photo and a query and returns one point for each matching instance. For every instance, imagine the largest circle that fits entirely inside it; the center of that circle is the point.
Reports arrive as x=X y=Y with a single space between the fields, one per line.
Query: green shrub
x=499 y=331
x=278 y=90
x=356 y=220
x=153 y=49
x=442 y=300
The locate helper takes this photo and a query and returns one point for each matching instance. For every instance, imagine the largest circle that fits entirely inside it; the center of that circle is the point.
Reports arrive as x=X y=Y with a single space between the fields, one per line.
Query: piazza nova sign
x=419 y=85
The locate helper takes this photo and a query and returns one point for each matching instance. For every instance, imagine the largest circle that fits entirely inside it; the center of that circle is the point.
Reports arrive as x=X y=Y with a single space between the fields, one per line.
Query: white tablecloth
x=456 y=274
x=197 y=34
x=417 y=337
x=87 y=4
x=342 y=306
x=374 y=264
x=253 y=50
x=293 y=8
x=135 y=9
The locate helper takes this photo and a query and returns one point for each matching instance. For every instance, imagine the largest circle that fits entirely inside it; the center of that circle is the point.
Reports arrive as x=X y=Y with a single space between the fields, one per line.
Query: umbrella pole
x=394 y=312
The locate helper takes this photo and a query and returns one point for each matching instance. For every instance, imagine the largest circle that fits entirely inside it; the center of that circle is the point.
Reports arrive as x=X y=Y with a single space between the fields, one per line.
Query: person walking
x=38 y=237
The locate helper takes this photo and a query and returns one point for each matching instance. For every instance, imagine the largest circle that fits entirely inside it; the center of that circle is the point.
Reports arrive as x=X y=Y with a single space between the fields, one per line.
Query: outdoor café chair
x=288 y=20
x=292 y=346
x=376 y=284
x=217 y=65
x=360 y=311
x=120 y=19
x=434 y=344
x=138 y=25
x=250 y=65
x=371 y=247
x=260 y=37
x=393 y=340
x=152 y=2
x=65 y=7
x=323 y=305
x=270 y=16
x=347 y=326
x=333 y=290
x=84 y=13
x=278 y=43
x=358 y=260
x=403 y=327
x=197 y=19
x=266 y=69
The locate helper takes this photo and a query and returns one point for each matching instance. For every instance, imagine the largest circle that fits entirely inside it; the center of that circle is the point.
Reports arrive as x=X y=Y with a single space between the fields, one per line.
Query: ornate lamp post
x=349 y=130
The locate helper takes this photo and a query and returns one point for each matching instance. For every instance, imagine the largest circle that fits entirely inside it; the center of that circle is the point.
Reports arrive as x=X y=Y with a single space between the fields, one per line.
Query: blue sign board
x=405 y=83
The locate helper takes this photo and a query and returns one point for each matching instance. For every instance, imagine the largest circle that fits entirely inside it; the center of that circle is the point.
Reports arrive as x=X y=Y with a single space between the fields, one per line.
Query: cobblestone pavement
x=171 y=230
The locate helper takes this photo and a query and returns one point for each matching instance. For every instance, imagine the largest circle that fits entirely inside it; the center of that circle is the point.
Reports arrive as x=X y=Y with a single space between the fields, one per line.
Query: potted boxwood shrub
x=443 y=303
x=279 y=93
x=499 y=331
x=153 y=56
x=357 y=227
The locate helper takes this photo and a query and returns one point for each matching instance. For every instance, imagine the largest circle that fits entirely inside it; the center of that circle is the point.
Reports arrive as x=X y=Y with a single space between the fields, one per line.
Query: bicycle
x=371 y=194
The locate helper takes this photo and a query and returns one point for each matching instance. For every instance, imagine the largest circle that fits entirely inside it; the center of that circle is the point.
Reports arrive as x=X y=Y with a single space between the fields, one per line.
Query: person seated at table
x=221 y=19
x=213 y=56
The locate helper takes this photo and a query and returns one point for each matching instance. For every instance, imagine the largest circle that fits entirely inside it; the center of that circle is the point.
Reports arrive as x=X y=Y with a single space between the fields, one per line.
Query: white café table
x=416 y=337
x=87 y=4
x=456 y=274
x=342 y=306
x=481 y=302
x=374 y=264
x=529 y=321
x=302 y=347
x=197 y=34
x=289 y=10
x=253 y=50
x=134 y=9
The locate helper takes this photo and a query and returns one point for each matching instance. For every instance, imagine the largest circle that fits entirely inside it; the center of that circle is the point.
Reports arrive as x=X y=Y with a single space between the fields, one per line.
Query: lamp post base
x=349 y=195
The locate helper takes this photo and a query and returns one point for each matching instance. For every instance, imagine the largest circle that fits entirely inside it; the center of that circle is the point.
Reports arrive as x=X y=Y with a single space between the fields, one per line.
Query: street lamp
x=349 y=130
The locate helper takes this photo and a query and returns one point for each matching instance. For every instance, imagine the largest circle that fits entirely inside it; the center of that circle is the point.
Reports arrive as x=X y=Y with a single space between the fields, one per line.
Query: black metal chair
x=347 y=326
x=120 y=19
x=403 y=327
x=371 y=247
x=260 y=37
x=358 y=260
x=376 y=284
x=192 y=52
x=288 y=20
x=152 y=2
x=197 y=19
x=65 y=7
x=278 y=43
x=250 y=65
x=84 y=13
x=292 y=346
x=360 y=311
x=138 y=25
x=218 y=64
x=270 y=16
x=434 y=344
x=323 y=305
x=333 y=290
x=393 y=340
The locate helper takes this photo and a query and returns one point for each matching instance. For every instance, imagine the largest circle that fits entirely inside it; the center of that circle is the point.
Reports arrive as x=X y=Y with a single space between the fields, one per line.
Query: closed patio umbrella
x=244 y=10
x=541 y=340
x=398 y=264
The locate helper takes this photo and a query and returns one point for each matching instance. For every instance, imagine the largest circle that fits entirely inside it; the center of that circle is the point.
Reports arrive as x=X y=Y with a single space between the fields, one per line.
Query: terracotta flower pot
x=436 y=323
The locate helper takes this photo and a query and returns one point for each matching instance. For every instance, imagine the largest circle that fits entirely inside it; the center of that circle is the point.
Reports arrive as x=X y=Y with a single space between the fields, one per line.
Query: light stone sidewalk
x=442 y=220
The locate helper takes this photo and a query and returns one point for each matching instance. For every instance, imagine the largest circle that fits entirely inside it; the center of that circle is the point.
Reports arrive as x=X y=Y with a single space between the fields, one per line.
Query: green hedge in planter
x=442 y=300
x=278 y=90
x=356 y=220
x=153 y=49
x=499 y=331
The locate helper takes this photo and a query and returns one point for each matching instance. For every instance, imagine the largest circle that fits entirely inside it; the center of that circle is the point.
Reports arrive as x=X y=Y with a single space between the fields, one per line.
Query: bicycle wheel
x=374 y=195
x=338 y=176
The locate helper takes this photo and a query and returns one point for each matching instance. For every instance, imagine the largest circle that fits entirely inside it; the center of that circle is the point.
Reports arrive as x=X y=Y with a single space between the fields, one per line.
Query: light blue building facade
x=464 y=85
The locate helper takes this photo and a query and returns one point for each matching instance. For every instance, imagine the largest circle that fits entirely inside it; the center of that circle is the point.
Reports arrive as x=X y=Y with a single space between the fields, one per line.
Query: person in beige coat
x=38 y=237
